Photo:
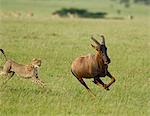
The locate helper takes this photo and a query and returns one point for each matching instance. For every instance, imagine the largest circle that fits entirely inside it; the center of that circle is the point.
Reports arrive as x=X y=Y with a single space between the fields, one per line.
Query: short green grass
x=58 y=41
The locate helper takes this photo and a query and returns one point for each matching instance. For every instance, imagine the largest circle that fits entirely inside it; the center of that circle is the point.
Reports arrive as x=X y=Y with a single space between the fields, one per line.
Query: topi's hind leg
x=100 y=83
x=84 y=84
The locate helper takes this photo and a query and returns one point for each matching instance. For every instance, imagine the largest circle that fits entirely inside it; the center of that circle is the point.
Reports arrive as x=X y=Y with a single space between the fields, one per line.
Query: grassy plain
x=58 y=41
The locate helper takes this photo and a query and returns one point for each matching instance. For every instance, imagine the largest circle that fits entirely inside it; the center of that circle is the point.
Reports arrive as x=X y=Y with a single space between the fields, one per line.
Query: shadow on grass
x=82 y=13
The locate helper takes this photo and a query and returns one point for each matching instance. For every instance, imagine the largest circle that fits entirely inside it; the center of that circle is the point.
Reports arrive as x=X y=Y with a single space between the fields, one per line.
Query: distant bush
x=127 y=3
x=83 y=13
x=146 y=2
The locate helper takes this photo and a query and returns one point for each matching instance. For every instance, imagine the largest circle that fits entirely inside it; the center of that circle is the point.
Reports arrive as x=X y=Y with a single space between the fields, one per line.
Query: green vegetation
x=58 y=41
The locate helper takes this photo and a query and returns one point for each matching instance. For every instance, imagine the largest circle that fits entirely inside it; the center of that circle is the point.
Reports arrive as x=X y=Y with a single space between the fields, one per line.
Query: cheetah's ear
x=34 y=59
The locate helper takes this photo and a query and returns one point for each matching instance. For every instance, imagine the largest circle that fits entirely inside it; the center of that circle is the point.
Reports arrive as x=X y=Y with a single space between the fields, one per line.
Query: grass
x=58 y=41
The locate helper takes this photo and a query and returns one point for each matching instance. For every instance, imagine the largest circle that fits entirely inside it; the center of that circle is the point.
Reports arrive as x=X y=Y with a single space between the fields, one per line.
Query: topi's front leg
x=112 y=80
x=100 y=83
x=84 y=84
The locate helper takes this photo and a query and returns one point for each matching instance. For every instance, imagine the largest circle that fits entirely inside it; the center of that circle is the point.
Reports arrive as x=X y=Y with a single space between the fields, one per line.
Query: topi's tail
x=3 y=53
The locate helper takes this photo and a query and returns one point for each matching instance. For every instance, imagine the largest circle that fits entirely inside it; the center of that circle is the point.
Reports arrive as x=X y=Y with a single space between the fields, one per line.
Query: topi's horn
x=95 y=40
x=103 y=40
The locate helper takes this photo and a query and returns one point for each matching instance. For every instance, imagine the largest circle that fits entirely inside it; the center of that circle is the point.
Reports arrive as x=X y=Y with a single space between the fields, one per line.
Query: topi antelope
x=93 y=66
